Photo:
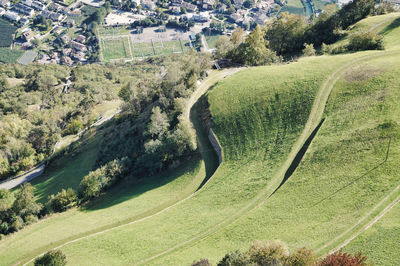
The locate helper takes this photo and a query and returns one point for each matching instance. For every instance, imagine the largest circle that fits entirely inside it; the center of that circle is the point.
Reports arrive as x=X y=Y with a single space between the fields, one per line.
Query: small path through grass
x=314 y=119
x=211 y=80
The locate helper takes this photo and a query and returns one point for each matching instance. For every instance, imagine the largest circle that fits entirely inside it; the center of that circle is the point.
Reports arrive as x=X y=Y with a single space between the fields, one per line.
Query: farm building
x=2 y=11
x=206 y=4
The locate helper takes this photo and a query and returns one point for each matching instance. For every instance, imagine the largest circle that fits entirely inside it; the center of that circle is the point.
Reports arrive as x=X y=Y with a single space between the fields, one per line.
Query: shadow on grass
x=395 y=24
x=207 y=151
x=126 y=190
x=299 y=156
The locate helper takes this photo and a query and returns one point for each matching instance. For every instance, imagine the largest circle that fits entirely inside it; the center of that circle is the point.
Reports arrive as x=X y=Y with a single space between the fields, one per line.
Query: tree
x=237 y=36
x=308 y=50
x=340 y=258
x=63 y=200
x=248 y=3
x=254 y=50
x=90 y=186
x=52 y=258
x=159 y=122
x=285 y=34
x=25 y=203
x=126 y=92
x=223 y=46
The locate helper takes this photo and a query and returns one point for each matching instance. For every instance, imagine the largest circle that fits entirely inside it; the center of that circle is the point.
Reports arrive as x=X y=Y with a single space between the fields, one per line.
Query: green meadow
x=333 y=178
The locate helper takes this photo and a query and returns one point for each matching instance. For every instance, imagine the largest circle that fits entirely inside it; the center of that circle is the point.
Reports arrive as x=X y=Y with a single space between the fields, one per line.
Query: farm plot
x=27 y=57
x=6 y=32
x=159 y=47
x=114 y=49
x=143 y=49
x=9 y=56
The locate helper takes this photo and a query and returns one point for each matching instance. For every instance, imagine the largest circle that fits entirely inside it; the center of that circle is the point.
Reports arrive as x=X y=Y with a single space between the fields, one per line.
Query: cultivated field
x=6 y=32
x=9 y=56
x=264 y=118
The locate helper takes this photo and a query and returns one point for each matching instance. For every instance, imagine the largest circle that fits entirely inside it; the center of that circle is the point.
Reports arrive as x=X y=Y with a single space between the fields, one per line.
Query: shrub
x=202 y=262
x=4 y=228
x=308 y=50
x=365 y=41
x=63 y=200
x=268 y=253
x=52 y=258
x=30 y=219
x=90 y=185
x=302 y=257
x=16 y=224
x=235 y=259
x=345 y=259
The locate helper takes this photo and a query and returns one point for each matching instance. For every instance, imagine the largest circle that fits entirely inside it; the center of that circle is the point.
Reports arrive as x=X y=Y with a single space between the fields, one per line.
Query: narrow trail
x=191 y=101
x=314 y=119
x=371 y=223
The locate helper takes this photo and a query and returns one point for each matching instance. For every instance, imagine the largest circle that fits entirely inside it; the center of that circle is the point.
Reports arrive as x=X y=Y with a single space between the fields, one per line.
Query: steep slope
x=262 y=117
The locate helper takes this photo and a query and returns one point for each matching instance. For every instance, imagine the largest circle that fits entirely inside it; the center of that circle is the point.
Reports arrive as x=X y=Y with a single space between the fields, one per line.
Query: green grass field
x=212 y=40
x=9 y=56
x=380 y=243
x=294 y=7
x=116 y=49
x=6 y=32
x=262 y=117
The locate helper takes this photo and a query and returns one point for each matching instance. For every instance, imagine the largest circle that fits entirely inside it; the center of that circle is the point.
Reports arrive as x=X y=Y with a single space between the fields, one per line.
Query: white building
x=12 y=16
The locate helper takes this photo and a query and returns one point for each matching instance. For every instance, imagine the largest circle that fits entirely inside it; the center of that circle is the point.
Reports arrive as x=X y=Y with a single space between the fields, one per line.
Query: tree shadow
x=128 y=189
x=395 y=24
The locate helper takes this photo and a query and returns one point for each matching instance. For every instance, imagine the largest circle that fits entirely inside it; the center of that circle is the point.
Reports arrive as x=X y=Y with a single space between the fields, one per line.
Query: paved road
x=24 y=178
x=37 y=171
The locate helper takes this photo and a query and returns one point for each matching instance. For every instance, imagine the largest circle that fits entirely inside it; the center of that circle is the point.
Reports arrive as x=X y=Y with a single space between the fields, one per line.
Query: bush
x=90 y=185
x=345 y=259
x=268 y=253
x=63 y=200
x=235 y=259
x=16 y=224
x=308 y=50
x=301 y=257
x=365 y=41
x=52 y=258
x=202 y=262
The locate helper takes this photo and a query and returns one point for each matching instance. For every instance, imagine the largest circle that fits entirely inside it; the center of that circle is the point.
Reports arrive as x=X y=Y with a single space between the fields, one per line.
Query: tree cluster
x=19 y=210
x=287 y=34
x=36 y=113
x=276 y=253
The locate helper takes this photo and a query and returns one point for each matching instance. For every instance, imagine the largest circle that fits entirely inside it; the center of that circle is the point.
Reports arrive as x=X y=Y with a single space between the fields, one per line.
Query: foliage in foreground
x=276 y=253
x=52 y=258
x=18 y=211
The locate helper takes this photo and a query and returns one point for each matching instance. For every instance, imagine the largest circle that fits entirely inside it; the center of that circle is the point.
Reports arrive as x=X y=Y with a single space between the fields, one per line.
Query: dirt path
x=371 y=223
x=192 y=100
x=315 y=117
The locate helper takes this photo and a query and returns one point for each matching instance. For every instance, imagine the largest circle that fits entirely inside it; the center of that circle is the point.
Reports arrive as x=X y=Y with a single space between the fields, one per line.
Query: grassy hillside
x=262 y=117
x=380 y=243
